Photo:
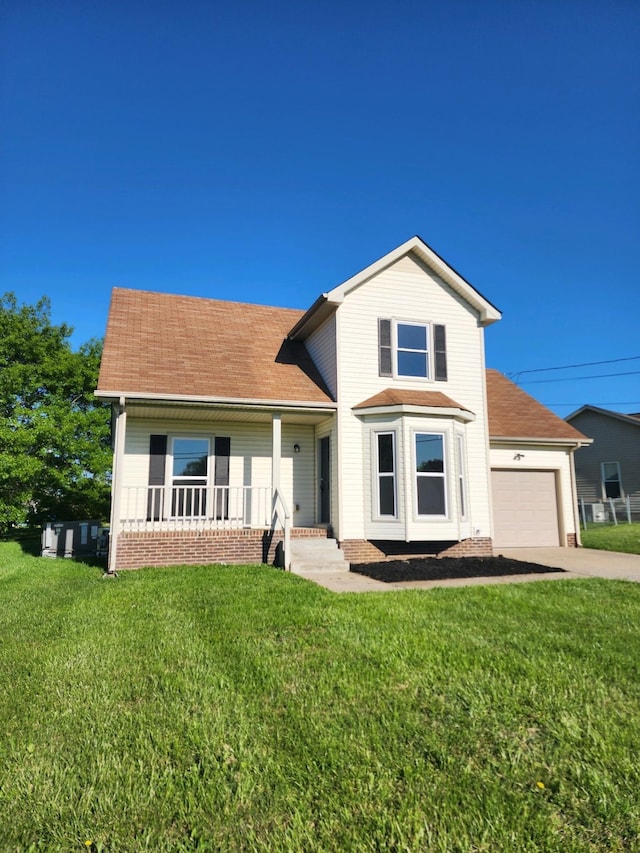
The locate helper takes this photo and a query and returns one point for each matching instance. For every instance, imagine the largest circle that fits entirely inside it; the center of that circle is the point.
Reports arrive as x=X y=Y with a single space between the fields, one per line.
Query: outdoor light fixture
x=296 y=448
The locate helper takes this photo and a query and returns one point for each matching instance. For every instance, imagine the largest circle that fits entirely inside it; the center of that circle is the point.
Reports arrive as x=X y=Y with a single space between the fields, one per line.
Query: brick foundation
x=572 y=540
x=367 y=551
x=189 y=547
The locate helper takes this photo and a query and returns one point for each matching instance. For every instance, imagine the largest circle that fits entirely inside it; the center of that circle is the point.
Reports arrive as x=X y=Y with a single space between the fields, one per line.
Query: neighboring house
x=370 y=418
x=610 y=467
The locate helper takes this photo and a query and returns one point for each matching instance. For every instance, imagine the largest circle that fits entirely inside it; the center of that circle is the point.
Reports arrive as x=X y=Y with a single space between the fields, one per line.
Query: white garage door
x=525 y=508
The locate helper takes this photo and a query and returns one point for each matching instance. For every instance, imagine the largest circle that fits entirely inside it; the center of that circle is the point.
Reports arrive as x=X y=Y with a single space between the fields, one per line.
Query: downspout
x=116 y=489
x=487 y=444
x=574 y=497
x=338 y=523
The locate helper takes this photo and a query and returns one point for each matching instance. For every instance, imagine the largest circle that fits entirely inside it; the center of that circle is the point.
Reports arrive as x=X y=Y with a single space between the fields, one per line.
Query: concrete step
x=317 y=567
x=317 y=555
x=313 y=546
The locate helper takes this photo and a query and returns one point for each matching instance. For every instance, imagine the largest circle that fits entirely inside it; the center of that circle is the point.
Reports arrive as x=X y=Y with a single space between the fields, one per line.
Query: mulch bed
x=446 y=568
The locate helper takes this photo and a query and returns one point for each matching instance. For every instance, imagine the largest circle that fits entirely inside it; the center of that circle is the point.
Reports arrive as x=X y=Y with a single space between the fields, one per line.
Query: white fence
x=153 y=508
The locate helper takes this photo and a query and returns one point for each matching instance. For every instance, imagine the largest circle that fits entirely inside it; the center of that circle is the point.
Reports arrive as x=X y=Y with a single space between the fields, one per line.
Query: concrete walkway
x=574 y=563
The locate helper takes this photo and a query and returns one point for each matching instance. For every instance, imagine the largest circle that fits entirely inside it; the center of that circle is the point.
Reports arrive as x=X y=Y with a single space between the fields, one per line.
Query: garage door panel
x=525 y=508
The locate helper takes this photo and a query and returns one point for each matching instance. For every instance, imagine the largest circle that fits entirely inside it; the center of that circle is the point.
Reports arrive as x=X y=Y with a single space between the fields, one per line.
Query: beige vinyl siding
x=543 y=459
x=321 y=346
x=614 y=441
x=408 y=290
x=297 y=473
x=250 y=462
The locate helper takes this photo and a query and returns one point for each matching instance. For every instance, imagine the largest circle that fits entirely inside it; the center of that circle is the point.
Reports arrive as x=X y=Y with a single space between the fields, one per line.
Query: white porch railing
x=154 y=508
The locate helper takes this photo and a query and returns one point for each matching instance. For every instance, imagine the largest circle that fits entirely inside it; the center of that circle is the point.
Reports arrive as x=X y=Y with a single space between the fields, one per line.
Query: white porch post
x=116 y=488
x=276 y=451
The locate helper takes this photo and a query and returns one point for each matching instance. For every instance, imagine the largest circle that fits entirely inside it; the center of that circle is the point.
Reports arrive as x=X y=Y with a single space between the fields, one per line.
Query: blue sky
x=264 y=152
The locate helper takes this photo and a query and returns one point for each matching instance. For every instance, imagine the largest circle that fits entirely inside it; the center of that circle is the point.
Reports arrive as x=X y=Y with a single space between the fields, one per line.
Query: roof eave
x=191 y=399
x=627 y=419
x=538 y=440
x=405 y=409
x=322 y=309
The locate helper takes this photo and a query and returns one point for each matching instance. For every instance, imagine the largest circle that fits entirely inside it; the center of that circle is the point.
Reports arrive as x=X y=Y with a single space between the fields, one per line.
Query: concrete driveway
x=581 y=562
x=573 y=562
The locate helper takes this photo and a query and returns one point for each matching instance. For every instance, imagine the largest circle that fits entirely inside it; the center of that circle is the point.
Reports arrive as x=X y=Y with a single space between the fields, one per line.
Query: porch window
x=611 y=483
x=430 y=475
x=386 y=474
x=190 y=477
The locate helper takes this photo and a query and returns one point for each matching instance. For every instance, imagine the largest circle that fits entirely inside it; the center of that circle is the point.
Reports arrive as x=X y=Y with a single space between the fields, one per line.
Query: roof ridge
x=164 y=294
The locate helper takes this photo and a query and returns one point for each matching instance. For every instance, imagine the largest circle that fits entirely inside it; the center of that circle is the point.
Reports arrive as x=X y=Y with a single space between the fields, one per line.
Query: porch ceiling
x=234 y=414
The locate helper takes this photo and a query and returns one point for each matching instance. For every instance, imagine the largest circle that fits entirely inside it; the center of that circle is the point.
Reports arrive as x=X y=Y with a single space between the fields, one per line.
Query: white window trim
x=429 y=351
x=463 y=496
x=415 y=474
x=377 y=514
x=603 y=481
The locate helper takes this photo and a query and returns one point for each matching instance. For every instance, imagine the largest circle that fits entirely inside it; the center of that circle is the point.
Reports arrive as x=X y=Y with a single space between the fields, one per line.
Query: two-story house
x=369 y=418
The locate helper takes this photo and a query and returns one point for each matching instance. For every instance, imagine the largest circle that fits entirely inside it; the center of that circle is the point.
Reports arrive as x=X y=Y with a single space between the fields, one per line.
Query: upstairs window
x=412 y=350
x=611 y=483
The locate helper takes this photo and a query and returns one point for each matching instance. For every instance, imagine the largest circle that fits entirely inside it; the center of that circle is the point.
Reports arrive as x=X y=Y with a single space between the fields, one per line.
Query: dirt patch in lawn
x=447 y=568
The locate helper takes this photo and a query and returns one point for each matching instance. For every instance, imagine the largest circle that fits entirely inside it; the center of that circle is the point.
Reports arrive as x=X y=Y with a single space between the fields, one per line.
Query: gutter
x=560 y=442
x=263 y=405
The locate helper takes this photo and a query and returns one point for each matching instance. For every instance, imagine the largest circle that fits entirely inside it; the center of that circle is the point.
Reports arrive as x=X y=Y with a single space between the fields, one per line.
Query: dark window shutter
x=157 y=456
x=384 y=348
x=222 y=449
x=440 y=347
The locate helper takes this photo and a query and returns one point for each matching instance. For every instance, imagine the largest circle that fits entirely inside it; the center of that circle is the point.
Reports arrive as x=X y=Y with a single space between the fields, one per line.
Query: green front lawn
x=624 y=537
x=242 y=708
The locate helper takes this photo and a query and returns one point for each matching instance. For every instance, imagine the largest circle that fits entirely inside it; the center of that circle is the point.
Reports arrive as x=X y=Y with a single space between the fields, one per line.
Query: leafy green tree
x=55 y=454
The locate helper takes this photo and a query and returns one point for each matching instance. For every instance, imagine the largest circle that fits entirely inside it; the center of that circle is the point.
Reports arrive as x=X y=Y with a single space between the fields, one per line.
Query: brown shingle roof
x=400 y=397
x=158 y=343
x=514 y=414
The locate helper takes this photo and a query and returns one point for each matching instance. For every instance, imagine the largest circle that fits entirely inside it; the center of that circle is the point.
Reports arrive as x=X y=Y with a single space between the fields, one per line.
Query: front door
x=324 y=480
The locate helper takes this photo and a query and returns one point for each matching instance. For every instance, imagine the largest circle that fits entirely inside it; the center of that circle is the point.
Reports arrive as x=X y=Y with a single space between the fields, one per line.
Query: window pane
x=610 y=470
x=429 y=453
x=612 y=489
x=431 y=496
x=387 y=497
x=190 y=457
x=412 y=363
x=412 y=337
x=385 y=454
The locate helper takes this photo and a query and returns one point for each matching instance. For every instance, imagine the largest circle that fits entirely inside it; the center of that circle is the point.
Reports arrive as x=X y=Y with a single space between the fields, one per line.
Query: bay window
x=386 y=474
x=431 y=497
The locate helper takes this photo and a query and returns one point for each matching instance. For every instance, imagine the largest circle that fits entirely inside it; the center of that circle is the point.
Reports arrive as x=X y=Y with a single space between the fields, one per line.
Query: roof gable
x=634 y=420
x=163 y=345
x=328 y=302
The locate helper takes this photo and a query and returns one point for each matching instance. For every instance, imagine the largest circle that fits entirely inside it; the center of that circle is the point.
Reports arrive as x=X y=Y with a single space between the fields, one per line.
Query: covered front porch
x=237 y=479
